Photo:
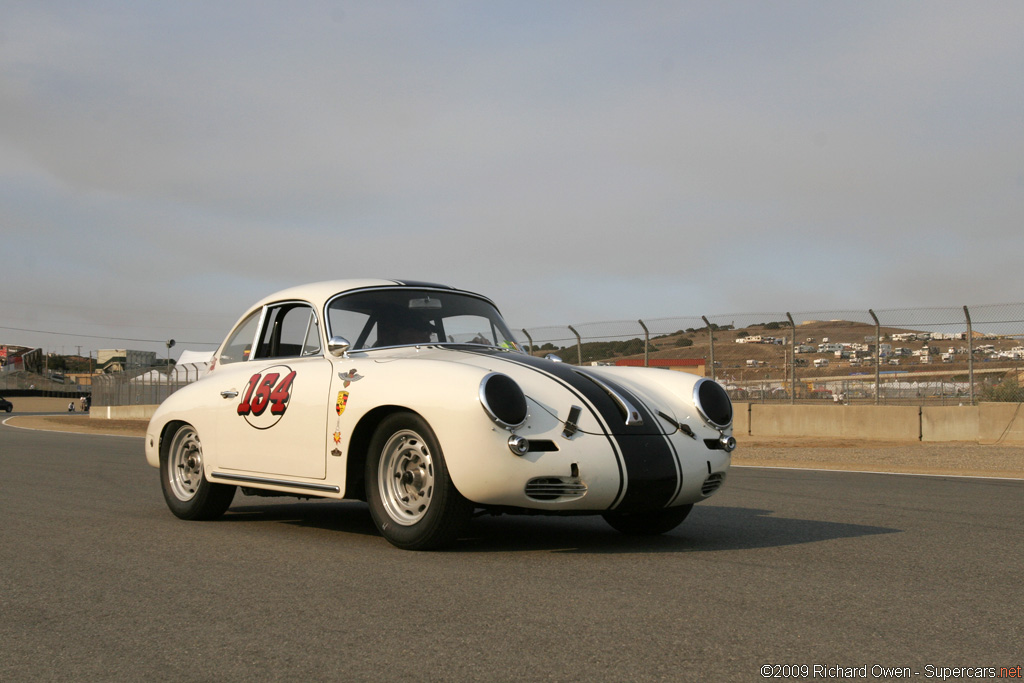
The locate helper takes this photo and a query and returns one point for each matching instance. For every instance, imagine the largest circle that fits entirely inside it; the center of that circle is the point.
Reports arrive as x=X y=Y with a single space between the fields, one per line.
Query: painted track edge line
x=900 y=474
x=63 y=431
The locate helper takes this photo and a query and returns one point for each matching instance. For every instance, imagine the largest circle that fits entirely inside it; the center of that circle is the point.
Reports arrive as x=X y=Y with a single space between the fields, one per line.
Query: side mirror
x=338 y=346
x=553 y=358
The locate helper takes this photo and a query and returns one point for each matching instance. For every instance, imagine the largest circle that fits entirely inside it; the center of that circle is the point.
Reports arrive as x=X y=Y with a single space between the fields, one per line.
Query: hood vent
x=629 y=412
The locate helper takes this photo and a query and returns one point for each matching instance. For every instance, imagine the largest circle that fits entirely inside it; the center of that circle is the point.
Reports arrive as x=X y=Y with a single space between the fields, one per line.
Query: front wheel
x=187 y=492
x=648 y=523
x=412 y=498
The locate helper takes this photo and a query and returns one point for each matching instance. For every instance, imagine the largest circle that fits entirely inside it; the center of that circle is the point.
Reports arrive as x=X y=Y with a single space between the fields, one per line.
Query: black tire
x=187 y=492
x=647 y=523
x=412 y=498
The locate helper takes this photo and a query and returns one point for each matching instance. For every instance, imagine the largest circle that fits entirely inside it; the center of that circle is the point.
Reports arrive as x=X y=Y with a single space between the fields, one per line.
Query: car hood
x=624 y=406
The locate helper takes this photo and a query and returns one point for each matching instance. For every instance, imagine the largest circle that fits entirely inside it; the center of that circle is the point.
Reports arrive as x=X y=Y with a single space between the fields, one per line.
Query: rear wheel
x=412 y=498
x=187 y=492
x=647 y=523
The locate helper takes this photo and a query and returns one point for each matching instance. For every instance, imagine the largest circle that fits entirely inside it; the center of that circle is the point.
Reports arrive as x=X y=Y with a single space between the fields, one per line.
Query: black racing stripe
x=653 y=473
x=650 y=460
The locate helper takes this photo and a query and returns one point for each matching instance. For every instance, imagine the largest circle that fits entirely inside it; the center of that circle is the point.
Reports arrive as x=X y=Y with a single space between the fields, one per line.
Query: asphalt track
x=98 y=581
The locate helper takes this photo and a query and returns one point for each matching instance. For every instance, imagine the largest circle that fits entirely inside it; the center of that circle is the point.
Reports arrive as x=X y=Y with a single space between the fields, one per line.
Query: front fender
x=480 y=462
x=445 y=394
x=191 y=404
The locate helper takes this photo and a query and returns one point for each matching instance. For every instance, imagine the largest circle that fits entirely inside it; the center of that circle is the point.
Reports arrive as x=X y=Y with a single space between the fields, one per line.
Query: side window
x=289 y=331
x=239 y=344
x=469 y=329
x=352 y=325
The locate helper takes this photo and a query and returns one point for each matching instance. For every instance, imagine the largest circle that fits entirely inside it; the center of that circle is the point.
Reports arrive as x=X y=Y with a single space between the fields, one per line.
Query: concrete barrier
x=950 y=423
x=987 y=423
x=879 y=423
x=1001 y=423
x=122 y=412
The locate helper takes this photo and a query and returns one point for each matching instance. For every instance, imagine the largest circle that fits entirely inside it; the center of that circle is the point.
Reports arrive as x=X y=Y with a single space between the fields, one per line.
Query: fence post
x=792 y=358
x=970 y=355
x=647 y=344
x=878 y=355
x=711 y=336
x=579 y=346
x=529 y=341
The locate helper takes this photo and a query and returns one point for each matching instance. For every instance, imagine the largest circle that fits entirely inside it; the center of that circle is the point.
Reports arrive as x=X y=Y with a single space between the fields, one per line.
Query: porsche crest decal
x=339 y=407
x=342 y=402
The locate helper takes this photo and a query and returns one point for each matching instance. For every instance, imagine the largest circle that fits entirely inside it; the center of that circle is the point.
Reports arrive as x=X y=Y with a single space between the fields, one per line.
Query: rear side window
x=290 y=330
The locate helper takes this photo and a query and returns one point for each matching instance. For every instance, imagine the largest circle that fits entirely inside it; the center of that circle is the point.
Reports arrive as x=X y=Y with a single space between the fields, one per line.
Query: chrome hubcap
x=186 y=464
x=405 y=477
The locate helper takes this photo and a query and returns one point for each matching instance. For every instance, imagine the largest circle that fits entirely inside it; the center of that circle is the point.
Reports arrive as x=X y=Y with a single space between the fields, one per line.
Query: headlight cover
x=712 y=403
x=503 y=400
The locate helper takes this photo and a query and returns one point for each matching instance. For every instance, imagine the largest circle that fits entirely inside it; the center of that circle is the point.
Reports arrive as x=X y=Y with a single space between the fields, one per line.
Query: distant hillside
x=772 y=360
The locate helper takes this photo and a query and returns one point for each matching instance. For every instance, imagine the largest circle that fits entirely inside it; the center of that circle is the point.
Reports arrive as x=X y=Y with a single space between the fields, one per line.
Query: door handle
x=229 y=394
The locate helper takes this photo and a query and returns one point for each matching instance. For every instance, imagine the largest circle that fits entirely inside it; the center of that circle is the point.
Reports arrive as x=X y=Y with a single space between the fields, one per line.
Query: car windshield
x=380 y=318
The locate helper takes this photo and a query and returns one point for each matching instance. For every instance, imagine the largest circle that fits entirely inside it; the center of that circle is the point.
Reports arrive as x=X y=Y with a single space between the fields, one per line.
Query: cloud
x=574 y=161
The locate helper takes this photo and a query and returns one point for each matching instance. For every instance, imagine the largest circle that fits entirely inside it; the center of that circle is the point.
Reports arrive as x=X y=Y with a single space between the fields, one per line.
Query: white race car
x=418 y=399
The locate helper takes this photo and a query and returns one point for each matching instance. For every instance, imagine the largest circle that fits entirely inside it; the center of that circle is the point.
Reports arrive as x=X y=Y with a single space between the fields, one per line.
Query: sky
x=164 y=165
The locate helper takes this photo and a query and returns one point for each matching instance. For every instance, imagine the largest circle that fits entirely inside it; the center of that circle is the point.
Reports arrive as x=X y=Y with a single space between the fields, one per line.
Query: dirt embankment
x=948 y=458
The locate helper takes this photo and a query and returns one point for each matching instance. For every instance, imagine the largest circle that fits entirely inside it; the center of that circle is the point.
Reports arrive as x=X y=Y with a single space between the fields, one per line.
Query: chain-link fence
x=143 y=387
x=936 y=356
x=919 y=356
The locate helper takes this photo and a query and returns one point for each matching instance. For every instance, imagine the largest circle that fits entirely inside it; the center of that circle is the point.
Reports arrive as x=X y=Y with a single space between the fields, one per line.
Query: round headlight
x=712 y=403
x=503 y=400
